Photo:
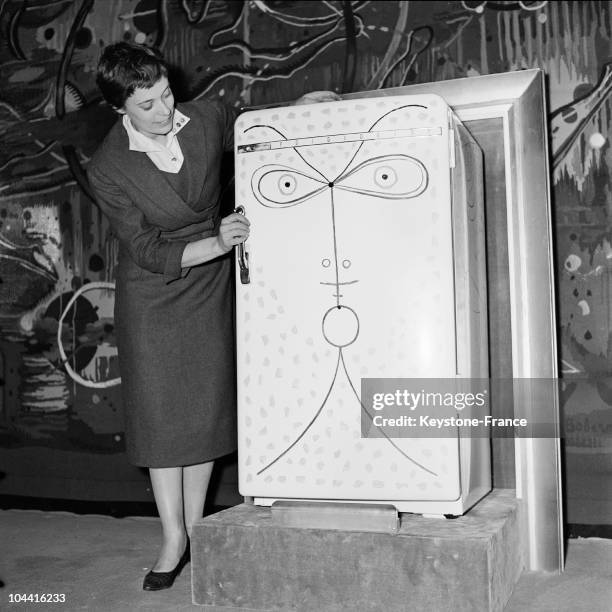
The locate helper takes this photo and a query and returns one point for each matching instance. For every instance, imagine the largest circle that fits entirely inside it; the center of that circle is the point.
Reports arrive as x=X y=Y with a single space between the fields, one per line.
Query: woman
x=156 y=177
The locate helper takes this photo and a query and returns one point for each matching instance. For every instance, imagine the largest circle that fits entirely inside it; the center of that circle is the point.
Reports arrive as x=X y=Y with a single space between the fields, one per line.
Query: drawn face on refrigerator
x=351 y=269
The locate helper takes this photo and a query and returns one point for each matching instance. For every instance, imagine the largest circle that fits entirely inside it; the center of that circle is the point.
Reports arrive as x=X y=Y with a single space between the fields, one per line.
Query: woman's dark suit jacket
x=174 y=326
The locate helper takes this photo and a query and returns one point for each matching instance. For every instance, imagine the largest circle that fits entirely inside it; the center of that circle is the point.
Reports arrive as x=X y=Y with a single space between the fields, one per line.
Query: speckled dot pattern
x=351 y=276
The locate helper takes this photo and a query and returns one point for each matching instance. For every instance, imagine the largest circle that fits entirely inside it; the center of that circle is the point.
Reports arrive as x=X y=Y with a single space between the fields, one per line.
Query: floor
x=97 y=563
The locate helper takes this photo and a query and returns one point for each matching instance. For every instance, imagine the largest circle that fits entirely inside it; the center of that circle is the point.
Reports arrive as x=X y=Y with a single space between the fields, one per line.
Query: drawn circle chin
x=340 y=326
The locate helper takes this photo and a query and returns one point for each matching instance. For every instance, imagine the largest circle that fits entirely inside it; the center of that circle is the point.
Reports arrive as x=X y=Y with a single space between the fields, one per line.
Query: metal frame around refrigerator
x=518 y=100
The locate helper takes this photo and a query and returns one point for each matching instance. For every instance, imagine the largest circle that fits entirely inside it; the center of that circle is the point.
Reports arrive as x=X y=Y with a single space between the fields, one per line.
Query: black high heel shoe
x=156 y=581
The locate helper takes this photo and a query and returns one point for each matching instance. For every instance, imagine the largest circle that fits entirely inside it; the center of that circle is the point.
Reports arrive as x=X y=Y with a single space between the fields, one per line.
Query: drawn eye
x=385 y=177
x=390 y=176
x=276 y=185
x=287 y=184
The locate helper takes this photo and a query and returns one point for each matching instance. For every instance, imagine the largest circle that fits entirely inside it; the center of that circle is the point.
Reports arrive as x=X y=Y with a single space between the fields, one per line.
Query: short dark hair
x=124 y=66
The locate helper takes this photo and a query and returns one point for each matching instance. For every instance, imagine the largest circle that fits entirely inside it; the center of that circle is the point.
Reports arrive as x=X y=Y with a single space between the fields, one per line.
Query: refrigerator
x=366 y=259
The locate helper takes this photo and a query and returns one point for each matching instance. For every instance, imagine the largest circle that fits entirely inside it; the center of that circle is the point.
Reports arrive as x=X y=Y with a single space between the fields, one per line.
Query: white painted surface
x=352 y=275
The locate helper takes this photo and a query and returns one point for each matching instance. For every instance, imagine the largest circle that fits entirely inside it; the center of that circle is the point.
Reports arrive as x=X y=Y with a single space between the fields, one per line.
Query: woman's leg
x=195 y=484
x=168 y=492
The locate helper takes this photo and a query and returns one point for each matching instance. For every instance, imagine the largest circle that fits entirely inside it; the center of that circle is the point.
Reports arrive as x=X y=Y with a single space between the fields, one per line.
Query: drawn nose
x=338 y=260
x=334 y=276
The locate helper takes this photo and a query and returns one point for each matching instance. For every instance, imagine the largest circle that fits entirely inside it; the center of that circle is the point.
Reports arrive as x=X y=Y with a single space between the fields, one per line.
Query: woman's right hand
x=234 y=229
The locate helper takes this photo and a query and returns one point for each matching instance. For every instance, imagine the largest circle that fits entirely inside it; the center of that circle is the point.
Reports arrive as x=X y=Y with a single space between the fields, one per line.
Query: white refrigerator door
x=351 y=276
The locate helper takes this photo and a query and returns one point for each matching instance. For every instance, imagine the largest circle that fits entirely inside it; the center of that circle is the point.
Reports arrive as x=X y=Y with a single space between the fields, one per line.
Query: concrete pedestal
x=242 y=560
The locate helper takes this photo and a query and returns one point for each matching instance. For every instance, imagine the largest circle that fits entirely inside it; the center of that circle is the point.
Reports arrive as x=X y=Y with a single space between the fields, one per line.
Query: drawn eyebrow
x=285 y=138
x=343 y=172
x=263 y=125
x=396 y=109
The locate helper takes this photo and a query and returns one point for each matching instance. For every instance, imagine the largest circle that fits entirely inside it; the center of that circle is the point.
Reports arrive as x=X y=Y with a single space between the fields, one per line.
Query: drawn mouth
x=338 y=284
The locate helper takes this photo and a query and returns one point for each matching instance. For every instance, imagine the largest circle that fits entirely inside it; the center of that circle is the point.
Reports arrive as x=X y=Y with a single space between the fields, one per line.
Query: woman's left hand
x=314 y=97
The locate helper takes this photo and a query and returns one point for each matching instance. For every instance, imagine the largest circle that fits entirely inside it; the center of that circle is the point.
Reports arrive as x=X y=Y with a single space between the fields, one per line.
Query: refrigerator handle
x=243 y=256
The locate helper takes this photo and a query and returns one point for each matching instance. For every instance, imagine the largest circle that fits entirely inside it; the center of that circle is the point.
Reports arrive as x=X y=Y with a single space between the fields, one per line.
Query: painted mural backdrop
x=57 y=256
